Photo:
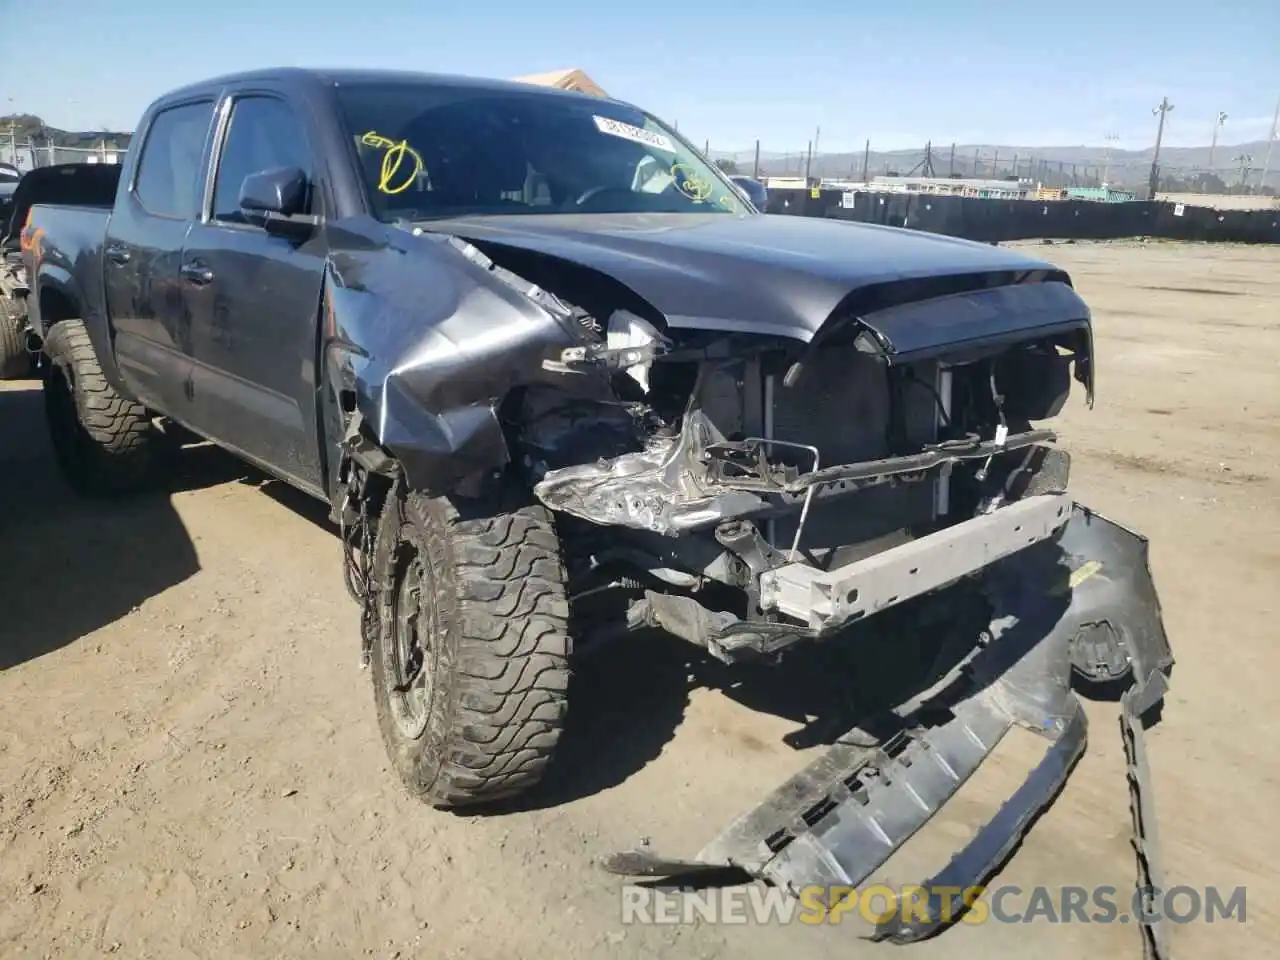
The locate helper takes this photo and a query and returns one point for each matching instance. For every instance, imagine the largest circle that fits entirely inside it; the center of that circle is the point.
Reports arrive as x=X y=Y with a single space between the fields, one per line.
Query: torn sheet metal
x=840 y=819
x=429 y=336
x=672 y=485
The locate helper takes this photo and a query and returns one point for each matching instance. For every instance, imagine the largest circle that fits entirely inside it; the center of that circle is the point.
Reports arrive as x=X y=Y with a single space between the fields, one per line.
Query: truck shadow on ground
x=71 y=566
x=628 y=700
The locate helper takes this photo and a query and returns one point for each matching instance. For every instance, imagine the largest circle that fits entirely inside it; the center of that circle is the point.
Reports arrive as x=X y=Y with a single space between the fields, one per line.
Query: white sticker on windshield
x=616 y=128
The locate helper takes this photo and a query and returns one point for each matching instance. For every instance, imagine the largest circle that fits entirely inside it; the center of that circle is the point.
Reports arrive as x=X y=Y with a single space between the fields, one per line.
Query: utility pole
x=755 y=167
x=808 y=163
x=1271 y=139
x=1213 y=144
x=1110 y=138
x=866 y=160
x=1246 y=164
x=951 y=170
x=1153 y=184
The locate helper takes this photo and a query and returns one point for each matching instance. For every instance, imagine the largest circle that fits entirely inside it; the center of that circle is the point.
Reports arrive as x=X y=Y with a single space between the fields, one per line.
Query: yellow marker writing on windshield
x=690 y=184
x=393 y=162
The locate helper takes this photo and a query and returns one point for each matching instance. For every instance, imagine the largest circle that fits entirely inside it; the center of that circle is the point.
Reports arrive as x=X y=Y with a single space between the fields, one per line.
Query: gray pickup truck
x=560 y=382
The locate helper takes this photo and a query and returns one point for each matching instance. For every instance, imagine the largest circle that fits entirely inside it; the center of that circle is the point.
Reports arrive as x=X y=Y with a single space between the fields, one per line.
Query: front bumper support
x=827 y=599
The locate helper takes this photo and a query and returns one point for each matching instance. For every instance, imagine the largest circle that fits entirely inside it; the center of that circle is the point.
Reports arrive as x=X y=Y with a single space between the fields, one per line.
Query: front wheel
x=470 y=658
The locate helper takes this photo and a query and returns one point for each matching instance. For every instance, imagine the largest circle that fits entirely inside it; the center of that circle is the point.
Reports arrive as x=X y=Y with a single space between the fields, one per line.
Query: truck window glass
x=263 y=133
x=435 y=150
x=169 y=170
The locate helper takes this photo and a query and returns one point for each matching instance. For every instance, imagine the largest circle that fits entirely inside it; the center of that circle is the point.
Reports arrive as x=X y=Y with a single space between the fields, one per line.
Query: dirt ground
x=190 y=767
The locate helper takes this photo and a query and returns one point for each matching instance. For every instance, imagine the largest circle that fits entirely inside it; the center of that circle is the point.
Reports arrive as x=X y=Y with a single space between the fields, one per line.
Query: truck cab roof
x=316 y=78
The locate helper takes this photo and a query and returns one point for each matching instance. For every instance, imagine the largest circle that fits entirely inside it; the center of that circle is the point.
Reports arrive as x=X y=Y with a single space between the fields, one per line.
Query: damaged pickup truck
x=559 y=381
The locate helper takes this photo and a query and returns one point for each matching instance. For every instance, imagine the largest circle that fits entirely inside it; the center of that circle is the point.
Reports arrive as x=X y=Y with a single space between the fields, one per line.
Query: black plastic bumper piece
x=838 y=820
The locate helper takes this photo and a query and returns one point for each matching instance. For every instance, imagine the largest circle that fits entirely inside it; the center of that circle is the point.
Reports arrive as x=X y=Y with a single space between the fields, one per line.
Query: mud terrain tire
x=104 y=443
x=15 y=362
x=479 y=588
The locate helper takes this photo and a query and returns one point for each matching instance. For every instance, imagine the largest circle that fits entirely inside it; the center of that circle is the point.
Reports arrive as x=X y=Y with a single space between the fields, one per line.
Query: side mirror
x=276 y=199
x=753 y=190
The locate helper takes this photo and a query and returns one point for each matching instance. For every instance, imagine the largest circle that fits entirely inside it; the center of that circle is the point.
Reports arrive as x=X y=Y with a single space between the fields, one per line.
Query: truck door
x=254 y=299
x=143 y=249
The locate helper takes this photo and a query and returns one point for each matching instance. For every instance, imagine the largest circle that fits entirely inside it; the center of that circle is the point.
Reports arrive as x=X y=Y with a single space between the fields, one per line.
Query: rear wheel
x=104 y=443
x=470 y=659
x=15 y=361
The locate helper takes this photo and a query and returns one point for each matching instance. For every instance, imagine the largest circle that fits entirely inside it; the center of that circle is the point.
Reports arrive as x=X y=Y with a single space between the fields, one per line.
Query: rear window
x=169 y=170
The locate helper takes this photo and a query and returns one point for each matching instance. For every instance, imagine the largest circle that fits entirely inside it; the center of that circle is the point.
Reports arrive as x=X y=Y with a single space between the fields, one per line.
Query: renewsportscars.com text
x=758 y=904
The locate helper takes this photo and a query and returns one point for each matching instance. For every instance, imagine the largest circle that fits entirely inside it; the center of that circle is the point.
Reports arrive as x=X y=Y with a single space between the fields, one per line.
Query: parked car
x=754 y=190
x=557 y=382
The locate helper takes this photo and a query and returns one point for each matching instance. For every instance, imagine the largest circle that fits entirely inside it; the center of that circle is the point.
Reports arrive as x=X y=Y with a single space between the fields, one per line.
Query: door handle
x=196 y=273
x=118 y=253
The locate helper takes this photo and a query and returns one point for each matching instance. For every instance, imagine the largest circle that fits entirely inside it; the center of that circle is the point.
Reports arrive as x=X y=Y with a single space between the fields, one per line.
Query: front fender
x=426 y=338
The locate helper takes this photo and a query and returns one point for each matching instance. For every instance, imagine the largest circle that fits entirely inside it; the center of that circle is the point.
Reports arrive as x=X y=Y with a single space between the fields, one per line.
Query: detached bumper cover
x=837 y=821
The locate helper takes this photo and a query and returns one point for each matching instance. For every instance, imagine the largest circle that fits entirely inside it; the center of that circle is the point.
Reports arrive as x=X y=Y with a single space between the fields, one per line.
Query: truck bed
x=68 y=239
x=69 y=184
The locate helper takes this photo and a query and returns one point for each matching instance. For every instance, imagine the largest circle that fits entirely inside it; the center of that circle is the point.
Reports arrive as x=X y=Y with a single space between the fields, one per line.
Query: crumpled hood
x=756 y=274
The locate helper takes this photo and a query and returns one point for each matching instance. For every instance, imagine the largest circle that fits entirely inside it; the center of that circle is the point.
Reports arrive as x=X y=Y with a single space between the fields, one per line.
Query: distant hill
x=1053 y=165
x=28 y=127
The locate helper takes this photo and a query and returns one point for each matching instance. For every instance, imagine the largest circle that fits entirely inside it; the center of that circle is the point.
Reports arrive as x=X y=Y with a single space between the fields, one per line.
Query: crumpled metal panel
x=429 y=340
x=430 y=336
x=773 y=276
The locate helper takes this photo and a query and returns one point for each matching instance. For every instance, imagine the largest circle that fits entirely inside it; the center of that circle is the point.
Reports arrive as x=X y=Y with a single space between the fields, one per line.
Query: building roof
x=571 y=79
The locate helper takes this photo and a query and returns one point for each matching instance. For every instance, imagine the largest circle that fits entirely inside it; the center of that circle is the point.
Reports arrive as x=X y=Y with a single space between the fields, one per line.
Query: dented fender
x=424 y=337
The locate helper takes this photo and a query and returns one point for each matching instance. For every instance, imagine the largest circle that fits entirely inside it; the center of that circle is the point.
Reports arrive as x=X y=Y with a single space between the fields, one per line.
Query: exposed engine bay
x=777 y=469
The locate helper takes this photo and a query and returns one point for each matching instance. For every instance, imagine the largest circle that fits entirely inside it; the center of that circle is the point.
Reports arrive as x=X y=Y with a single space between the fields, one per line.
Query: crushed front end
x=767 y=491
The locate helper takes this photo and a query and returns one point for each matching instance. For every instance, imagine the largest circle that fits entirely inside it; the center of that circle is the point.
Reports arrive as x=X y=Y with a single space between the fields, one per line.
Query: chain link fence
x=1092 y=168
x=27 y=154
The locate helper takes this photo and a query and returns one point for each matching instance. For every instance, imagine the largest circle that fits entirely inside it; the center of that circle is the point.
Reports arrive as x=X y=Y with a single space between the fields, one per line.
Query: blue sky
x=1038 y=74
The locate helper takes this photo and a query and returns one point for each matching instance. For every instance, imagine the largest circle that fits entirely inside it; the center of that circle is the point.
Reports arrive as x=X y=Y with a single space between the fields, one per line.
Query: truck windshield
x=428 y=151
